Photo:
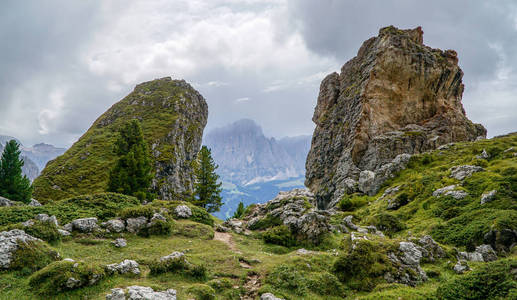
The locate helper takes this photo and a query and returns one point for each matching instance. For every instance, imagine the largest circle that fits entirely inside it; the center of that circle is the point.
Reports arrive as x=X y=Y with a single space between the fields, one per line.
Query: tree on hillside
x=239 y=212
x=132 y=174
x=13 y=185
x=207 y=189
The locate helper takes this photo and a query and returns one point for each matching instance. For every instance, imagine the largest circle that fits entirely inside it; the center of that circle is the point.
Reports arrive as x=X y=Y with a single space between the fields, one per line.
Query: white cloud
x=243 y=99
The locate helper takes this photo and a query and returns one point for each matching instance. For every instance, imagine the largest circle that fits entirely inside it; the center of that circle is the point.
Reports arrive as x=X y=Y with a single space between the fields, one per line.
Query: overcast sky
x=64 y=62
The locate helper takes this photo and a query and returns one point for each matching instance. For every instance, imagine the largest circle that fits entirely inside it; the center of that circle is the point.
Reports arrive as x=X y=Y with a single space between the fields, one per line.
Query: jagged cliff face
x=173 y=116
x=396 y=96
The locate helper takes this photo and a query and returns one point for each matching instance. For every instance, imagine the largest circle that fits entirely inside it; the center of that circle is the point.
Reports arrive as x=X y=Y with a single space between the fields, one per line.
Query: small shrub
x=53 y=278
x=326 y=284
x=202 y=292
x=32 y=256
x=198 y=272
x=266 y=222
x=362 y=267
x=279 y=235
x=388 y=223
x=491 y=281
x=172 y=265
x=351 y=203
x=288 y=278
x=220 y=284
x=158 y=227
x=138 y=211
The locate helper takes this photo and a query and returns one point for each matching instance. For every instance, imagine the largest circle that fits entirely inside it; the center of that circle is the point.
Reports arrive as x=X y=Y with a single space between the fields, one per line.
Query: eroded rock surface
x=397 y=96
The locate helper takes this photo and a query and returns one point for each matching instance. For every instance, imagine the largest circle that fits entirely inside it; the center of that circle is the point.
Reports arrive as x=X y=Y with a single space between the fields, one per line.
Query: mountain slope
x=173 y=116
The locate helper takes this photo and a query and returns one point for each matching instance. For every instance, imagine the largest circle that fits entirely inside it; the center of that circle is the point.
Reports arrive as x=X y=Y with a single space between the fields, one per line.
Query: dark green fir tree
x=207 y=189
x=132 y=174
x=13 y=185
x=239 y=212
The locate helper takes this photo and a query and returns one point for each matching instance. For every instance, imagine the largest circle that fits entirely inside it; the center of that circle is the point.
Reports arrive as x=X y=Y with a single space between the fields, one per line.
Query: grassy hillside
x=159 y=105
x=231 y=266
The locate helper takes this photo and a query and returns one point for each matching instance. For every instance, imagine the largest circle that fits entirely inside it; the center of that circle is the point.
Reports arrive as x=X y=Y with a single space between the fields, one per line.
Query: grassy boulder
x=31 y=256
x=65 y=275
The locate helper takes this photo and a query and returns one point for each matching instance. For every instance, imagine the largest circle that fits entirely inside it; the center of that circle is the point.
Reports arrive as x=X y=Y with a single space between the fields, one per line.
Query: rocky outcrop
x=136 y=292
x=9 y=243
x=126 y=266
x=294 y=209
x=173 y=116
x=397 y=96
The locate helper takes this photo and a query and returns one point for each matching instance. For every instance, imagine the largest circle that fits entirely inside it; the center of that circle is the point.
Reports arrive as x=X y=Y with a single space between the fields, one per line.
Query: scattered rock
x=464 y=171
x=5 y=202
x=411 y=254
x=173 y=256
x=430 y=249
x=183 y=211
x=488 y=196
x=458 y=195
x=9 y=244
x=86 y=225
x=119 y=243
x=63 y=232
x=140 y=293
x=483 y=253
x=461 y=267
x=46 y=218
x=68 y=259
x=221 y=228
x=269 y=296
x=235 y=225
x=303 y=251
x=134 y=225
x=441 y=191
x=115 y=225
x=73 y=283
x=34 y=202
x=126 y=266
x=483 y=155
x=365 y=230
x=68 y=227
x=28 y=223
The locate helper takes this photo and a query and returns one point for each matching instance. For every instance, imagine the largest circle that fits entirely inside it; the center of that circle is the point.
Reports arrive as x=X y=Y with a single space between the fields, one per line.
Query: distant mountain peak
x=245 y=155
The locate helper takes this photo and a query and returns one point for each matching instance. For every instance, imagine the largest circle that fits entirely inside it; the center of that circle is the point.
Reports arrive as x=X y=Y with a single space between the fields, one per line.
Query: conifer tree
x=207 y=189
x=13 y=185
x=132 y=174
x=239 y=212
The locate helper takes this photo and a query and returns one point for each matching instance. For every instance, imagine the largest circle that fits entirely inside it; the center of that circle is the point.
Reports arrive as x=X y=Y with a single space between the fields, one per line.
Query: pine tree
x=239 y=212
x=207 y=190
x=132 y=174
x=13 y=185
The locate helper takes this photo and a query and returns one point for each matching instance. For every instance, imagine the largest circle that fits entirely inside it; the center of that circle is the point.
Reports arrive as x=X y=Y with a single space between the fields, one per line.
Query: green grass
x=333 y=270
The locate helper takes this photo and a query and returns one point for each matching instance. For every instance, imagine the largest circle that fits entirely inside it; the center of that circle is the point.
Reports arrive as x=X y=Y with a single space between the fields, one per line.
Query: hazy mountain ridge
x=253 y=167
x=246 y=156
x=35 y=157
